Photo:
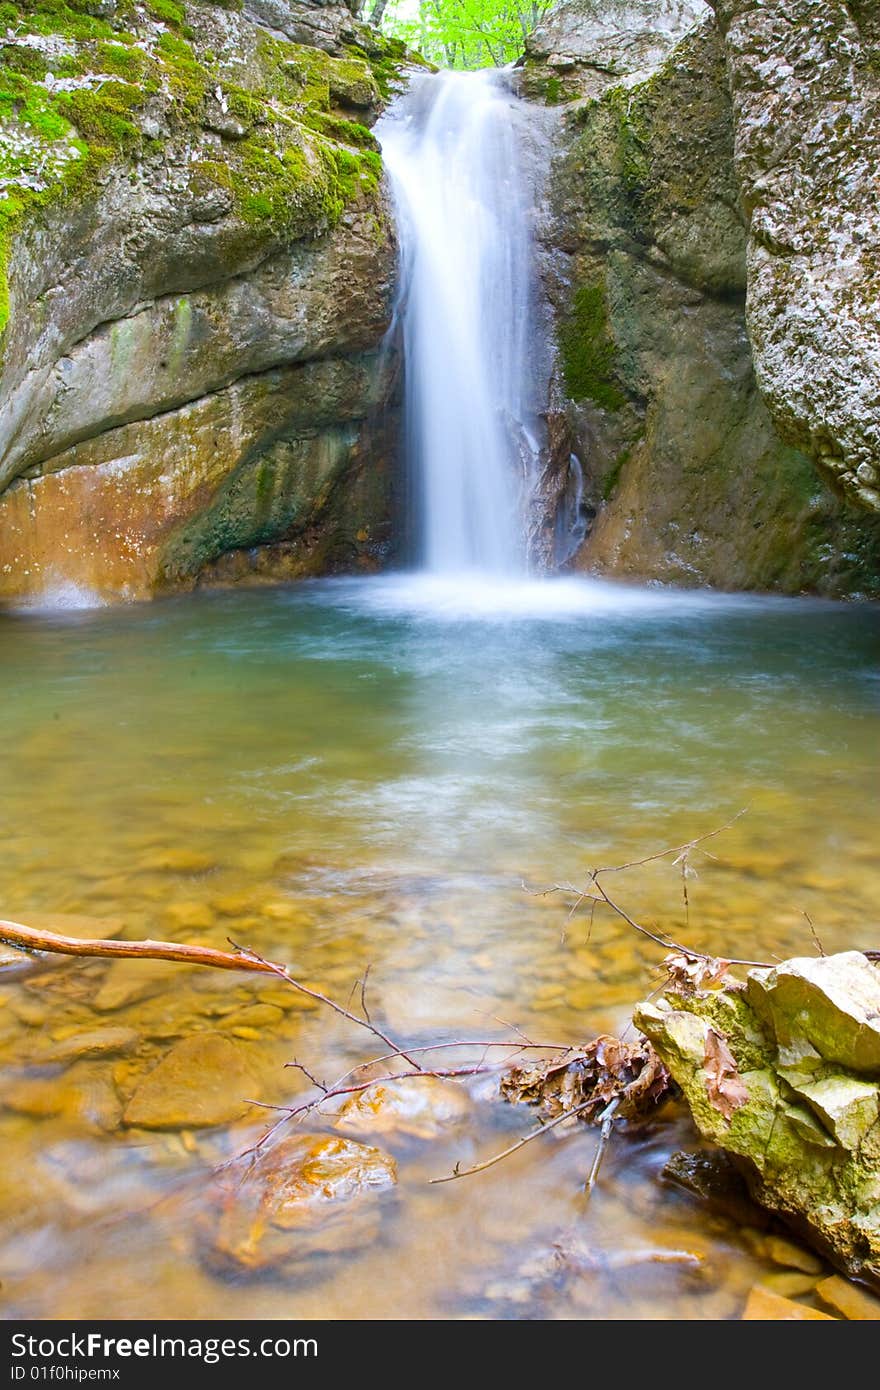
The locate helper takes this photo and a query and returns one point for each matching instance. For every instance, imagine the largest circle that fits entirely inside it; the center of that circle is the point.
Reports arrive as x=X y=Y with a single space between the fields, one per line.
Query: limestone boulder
x=796 y=1101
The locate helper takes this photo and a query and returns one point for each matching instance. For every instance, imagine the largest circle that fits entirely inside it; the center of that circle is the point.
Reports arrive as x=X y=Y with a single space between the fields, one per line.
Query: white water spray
x=456 y=149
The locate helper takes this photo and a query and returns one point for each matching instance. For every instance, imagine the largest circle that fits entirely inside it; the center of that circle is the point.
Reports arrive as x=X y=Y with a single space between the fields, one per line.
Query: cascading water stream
x=456 y=150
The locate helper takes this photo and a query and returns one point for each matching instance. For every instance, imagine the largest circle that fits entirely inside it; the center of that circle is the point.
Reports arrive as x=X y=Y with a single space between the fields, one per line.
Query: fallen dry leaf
x=688 y=974
x=724 y=1085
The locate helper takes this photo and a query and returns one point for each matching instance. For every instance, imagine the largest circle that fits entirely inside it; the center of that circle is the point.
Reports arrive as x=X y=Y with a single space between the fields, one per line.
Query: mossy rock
x=83 y=89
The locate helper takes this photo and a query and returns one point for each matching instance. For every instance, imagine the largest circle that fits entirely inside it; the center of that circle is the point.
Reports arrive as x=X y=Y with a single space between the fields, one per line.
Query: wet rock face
x=688 y=476
x=585 y=46
x=805 y=84
x=309 y=1196
x=189 y=368
x=804 y=1039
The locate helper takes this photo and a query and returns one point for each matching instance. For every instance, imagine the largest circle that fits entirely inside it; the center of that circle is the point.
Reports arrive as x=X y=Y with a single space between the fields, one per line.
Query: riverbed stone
x=848 y=1299
x=96 y=1042
x=311 y=1195
x=80 y=1094
x=177 y=860
x=79 y=924
x=422 y=1108
x=764 y=1305
x=130 y=981
x=203 y=1080
x=11 y=959
x=186 y=915
x=791 y=1283
x=785 y=1252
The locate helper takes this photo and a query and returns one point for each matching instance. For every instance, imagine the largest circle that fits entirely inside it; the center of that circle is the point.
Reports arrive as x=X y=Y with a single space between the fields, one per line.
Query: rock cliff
x=679 y=436
x=197 y=269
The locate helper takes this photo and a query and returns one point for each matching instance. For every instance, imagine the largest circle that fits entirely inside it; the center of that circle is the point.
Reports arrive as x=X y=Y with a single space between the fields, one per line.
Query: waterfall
x=457 y=151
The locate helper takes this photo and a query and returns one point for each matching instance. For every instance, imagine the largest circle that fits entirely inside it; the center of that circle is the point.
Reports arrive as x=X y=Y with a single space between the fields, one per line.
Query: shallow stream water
x=365 y=773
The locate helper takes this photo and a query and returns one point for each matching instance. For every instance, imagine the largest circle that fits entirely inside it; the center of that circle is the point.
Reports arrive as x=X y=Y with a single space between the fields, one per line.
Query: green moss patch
x=588 y=352
x=611 y=481
x=76 y=99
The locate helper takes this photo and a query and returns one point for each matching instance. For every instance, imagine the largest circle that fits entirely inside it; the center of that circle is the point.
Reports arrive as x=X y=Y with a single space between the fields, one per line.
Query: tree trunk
x=377 y=12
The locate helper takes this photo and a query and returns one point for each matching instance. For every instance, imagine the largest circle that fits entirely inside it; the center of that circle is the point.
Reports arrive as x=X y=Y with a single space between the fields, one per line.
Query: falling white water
x=457 y=151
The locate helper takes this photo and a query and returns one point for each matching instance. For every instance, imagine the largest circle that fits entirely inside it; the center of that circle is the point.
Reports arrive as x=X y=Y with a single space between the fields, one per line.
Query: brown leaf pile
x=605 y=1070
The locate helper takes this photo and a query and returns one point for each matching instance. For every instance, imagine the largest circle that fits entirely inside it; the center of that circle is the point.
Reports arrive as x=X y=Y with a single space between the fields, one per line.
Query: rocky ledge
x=709 y=251
x=197 y=270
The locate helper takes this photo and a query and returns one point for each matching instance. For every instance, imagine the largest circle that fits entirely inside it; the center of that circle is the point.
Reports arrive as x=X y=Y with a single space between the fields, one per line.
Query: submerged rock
x=422 y=1108
x=712 y=1176
x=96 y=1042
x=764 y=1305
x=783 y=1075
x=203 y=1080
x=849 y=1300
x=311 y=1195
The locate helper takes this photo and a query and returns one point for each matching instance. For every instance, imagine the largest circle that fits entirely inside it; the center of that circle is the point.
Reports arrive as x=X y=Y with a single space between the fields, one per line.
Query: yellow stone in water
x=763 y=1305
x=849 y=1299
x=79 y=1094
x=189 y=916
x=203 y=1080
x=288 y=999
x=233 y=904
x=77 y=924
x=785 y=1252
x=97 y=1042
x=255 y=1016
x=422 y=1107
x=281 y=911
x=305 y=1197
x=177 y=861
x=128 y=981
x=789 y=1282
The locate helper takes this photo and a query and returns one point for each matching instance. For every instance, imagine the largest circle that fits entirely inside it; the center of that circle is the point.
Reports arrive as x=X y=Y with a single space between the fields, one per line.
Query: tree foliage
x=461 y=33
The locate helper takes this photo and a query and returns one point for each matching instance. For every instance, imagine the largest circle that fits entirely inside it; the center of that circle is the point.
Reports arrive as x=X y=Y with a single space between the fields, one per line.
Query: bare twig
x=605 y=1120
x=458 y=1172
x=818 y=944
x=508 y=1043
x=298 y=1066
x=364 y=1010
x=284 y=974
x=674 y=849
x=665 y=941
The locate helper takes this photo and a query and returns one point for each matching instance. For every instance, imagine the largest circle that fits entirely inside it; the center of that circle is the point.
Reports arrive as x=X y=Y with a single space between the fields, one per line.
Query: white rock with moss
x=798 y=1109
